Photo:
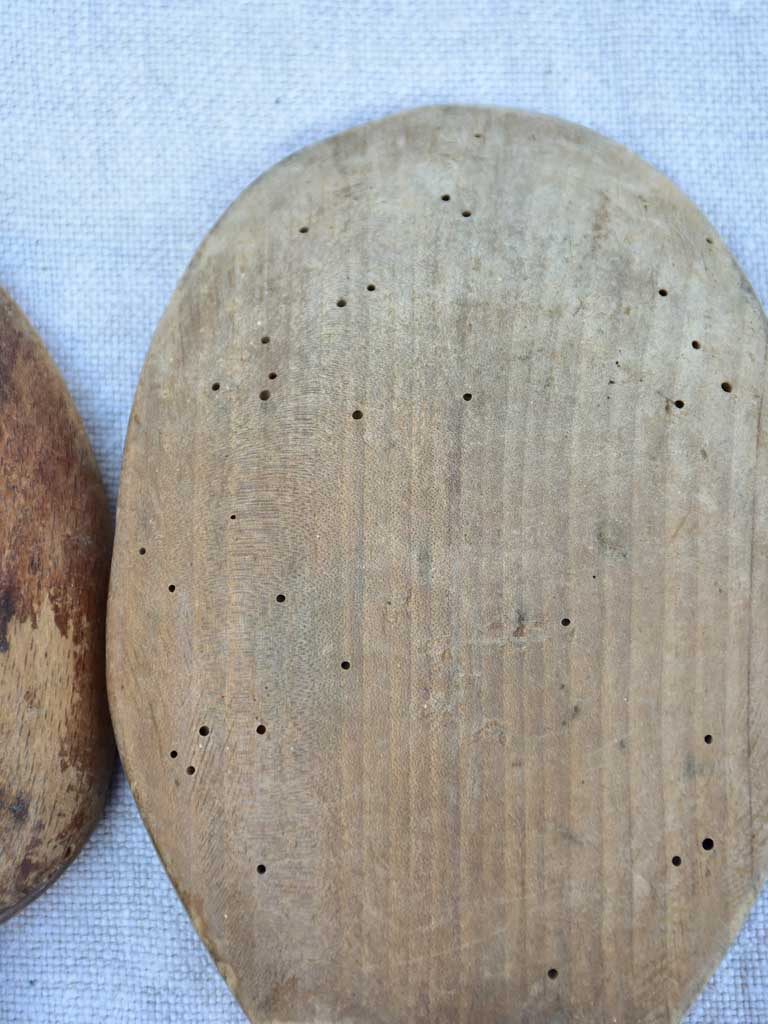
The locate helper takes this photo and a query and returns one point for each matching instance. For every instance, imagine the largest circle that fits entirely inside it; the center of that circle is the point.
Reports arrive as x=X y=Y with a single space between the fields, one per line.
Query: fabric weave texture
x=125 y=131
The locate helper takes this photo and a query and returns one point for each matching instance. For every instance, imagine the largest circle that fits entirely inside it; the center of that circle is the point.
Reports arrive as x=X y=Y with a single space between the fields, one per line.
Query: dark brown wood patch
x=56 y=745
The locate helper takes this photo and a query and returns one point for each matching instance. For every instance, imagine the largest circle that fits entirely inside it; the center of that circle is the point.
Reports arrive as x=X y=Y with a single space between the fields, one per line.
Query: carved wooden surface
x=56 y=745
x=437 y=623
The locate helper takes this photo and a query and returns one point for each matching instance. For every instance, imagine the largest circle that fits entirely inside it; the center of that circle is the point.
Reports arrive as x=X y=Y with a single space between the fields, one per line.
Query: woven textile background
x=127 y=128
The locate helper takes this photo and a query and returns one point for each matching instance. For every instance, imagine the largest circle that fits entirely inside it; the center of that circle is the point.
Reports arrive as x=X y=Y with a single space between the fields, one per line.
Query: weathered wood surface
x=436 y=642
x=56 y=744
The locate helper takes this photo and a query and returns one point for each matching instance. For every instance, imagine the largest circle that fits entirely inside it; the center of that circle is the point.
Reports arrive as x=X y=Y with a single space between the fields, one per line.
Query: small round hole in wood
x=215 y=386
x=264 y=395
x=204 y=730
x=371 y=287
x=265 y=340
x=663 y=292
x=172 y=587
x=341 y=303
x=565 y=622
x=708 y=844
x=345 y=665
x=191 y=770
x=708 y=738
x=233 y=516
x=272 y=376
x=142 y=551
x=280 y=598
x=261 y=729
x=696 y=344
x=679 y=404
x=677 y=861
x=262 y=869
x=726 y=387
x=303 y=230
x=466 y=213
x=467 y=396
x=357 y=415
x=552 y=973
x=174 y=753
x=445 y=198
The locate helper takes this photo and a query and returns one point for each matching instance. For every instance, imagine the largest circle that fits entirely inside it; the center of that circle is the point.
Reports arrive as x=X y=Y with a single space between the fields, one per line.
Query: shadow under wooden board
x=437 y=621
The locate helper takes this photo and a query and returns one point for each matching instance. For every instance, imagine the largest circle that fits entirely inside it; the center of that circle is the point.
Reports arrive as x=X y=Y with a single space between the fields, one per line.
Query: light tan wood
x=56 y=745
x=518 y=670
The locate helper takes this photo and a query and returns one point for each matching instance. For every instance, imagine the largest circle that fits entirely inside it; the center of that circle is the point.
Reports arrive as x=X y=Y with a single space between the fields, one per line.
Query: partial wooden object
x=436 y=642
x=56 y=744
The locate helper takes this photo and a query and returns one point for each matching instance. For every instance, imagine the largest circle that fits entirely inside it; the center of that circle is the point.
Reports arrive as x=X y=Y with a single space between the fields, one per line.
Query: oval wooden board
x=436 y=627
x=56 y=745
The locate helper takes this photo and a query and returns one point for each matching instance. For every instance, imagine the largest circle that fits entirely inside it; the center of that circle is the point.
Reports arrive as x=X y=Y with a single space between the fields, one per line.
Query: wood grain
x=56 y=745
x=436 y=642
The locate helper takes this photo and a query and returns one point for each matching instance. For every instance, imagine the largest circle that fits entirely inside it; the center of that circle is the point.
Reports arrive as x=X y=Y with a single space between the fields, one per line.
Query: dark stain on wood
x=19 y=809
x=6 y=614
